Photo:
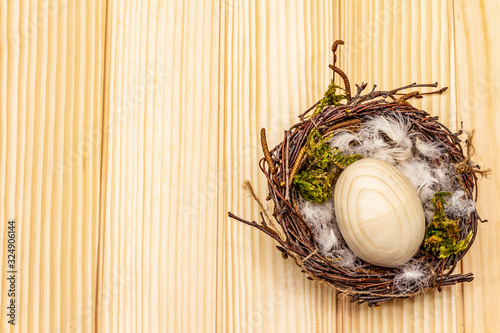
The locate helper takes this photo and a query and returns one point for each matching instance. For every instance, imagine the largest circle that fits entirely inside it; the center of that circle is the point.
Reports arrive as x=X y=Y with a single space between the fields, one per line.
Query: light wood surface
x=51 y=93
x=160 y=181
x=128 y=127
x=477 y=51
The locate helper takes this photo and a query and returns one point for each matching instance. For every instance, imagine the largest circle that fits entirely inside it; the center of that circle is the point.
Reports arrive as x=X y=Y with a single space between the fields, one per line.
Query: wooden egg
x=379 y=213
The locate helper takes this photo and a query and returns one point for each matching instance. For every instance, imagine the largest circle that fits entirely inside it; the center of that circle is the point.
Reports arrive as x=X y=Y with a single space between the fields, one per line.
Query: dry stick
x=414 y=85
x=309 y=256
x=278 y=194
x=415 y=94
x=344 y=77
x=297 y=163
x=267 y=155
x=302 y=115
x=442 y=273
x=286 y=158
x=337 y=70
x=440 y=91
x=247 y=186
x=391 y=93
x=464 y=166
x=334 y=49
x=360 y=90
x=262 y=228
x=343 y=124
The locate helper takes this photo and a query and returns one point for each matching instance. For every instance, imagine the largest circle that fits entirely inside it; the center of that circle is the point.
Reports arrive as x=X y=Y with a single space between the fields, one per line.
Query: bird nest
x=362 y=282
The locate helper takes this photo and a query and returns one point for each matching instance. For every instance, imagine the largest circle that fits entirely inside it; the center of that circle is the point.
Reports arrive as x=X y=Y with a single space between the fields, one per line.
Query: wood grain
x=477 y=51
x=274 y=64
x=128 y=127
x=51 y=70
x=160 y=177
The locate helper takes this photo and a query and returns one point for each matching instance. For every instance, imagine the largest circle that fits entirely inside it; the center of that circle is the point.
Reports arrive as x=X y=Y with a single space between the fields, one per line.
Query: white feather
x=321 y=220
x=431 y=150
x=396 y=130
x=459 y=206
x=344 y=257
x=413 y=277
x=343 y=141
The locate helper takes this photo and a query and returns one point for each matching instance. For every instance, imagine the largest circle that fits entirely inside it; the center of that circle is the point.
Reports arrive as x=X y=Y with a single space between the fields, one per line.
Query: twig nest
x=378 y=212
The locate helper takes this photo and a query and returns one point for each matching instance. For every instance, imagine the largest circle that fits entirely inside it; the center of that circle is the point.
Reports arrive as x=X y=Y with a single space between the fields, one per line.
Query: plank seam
x=100 y=226
x=217 y=196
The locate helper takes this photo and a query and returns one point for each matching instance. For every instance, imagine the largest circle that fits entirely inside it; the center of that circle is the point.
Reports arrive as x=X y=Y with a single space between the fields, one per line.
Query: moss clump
x=324 y=165
x=343 y=161
x=442 y=235
x=314 y=185
x=331 y=97
x=319 y=154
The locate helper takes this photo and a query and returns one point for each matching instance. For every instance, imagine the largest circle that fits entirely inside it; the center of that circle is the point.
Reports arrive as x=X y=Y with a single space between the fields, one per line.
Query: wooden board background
x=127 y=128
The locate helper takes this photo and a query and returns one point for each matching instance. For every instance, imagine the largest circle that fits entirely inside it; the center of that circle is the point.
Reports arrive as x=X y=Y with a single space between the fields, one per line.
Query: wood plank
x=477 y=71
x=393 y=43
x=160 y=176
x=121 y=152
x=51 y=70
x=274 y=65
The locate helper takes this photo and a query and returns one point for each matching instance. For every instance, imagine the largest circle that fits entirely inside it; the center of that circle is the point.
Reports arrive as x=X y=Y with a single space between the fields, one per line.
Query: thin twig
x=297 y=163
x=287 y=158
x=267 y=155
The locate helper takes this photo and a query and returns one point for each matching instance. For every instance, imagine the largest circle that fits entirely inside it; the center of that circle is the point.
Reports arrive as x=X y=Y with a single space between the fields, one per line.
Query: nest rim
x=367 y=283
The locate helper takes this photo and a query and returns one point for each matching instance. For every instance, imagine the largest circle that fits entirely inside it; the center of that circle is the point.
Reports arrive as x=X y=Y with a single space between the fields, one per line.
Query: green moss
x=343 y=161
x=315 y=185
x=331 y=97
x=319 y=154
x=324 y=165
x=442 y=235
